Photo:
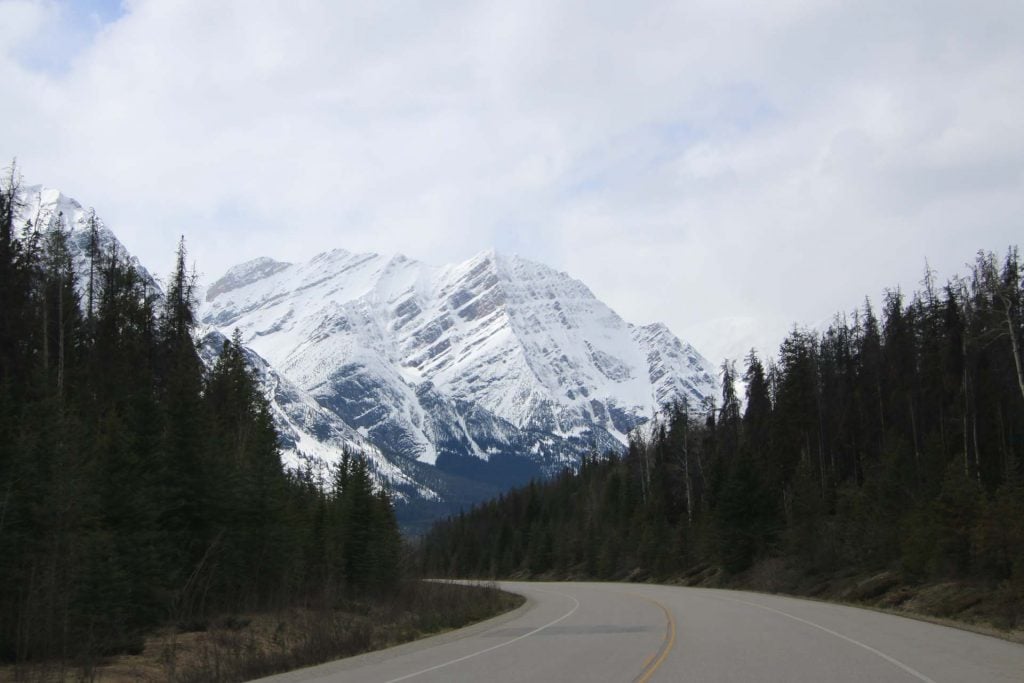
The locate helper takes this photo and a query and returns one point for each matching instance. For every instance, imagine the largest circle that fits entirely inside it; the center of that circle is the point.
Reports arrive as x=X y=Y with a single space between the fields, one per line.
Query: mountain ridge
x=456 y=381
x=494 y=370
x=567 y=360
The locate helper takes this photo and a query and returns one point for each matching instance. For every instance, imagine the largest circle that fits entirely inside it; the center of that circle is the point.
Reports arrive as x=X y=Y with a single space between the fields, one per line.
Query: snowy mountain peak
x=43 y=207
x=456 y=382
x=489 y=254
x=677 y=371
x=244 y=274
x=656 y=330
x=526 y=344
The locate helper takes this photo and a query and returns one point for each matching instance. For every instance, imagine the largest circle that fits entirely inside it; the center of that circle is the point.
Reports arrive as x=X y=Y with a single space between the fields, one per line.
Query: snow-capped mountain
x=44 y=207
x=309 y=433
x=455 y=382
x=495 y=358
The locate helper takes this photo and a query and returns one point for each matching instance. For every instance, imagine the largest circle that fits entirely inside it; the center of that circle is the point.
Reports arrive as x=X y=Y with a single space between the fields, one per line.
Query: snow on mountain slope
x=308 y=433
x=42 y=207
x=418 y=358
x=456 y=382
x=676 y=369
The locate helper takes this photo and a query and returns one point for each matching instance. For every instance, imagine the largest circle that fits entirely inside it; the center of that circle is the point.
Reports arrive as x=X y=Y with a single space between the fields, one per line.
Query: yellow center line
x=652 y=663
x=648 y=660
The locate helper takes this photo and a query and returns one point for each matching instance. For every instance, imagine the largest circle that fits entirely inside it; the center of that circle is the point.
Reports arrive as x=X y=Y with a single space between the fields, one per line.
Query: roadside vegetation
x=240 y=650
x=243 y=646
x=142 y=495
x=879 y=461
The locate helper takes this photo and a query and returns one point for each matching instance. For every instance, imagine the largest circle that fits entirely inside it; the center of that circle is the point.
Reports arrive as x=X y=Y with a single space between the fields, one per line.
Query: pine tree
x=186 y=496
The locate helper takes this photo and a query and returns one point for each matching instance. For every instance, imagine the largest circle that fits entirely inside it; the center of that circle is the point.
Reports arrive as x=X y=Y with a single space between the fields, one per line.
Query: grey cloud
x=690 y=161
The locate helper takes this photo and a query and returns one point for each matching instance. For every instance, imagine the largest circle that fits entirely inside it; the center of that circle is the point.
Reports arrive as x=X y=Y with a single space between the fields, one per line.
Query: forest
x=890 y=441
x=140 y=488
x=137 y=487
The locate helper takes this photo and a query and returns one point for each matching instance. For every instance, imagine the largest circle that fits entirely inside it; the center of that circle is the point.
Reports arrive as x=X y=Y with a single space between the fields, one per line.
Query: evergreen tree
x=881 y=443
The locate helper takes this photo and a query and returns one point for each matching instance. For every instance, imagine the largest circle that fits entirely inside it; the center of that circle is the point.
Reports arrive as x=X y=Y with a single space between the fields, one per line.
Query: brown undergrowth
x=994 y=608
x=246 y=646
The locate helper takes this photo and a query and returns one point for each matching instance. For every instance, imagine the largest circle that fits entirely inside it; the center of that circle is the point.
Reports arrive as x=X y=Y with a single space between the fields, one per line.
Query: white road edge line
x=499 y=645
x=913 y=672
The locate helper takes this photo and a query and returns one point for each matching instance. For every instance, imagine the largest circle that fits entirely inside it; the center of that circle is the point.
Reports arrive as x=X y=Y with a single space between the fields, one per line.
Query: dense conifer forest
x=890 y=441
x=136 y=487
x=140 y=488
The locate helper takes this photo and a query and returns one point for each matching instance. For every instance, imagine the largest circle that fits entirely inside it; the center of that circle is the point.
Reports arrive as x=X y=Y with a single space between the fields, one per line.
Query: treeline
x=136 y=487
x=885 y=442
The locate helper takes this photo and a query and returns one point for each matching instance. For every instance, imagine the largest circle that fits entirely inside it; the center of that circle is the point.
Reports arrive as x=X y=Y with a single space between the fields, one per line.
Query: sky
x=728 y=168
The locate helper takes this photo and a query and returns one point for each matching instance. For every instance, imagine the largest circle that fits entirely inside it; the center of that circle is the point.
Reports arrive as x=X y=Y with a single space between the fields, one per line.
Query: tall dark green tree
x=888 y=442
x=136 y=488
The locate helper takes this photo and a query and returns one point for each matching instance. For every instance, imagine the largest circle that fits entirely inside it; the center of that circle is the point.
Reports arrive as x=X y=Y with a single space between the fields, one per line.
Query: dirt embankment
x=992 y=609
x=241 y=647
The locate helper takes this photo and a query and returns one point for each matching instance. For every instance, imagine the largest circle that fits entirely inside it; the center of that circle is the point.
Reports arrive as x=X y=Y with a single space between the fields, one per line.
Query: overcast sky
x=729 y=168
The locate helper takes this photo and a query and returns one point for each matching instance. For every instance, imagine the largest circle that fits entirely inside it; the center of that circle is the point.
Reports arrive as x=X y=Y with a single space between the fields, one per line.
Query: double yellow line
x=659 y=657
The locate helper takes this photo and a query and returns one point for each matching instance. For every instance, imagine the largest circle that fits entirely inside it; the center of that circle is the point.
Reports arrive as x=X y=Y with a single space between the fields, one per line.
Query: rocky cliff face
x=493 y=359
x=456 y=382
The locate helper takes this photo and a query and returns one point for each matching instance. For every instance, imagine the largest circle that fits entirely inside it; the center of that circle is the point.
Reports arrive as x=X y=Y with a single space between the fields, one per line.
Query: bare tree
x=1005 y=289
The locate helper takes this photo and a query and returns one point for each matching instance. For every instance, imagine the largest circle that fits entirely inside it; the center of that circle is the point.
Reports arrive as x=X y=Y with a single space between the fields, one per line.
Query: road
x=646 y=634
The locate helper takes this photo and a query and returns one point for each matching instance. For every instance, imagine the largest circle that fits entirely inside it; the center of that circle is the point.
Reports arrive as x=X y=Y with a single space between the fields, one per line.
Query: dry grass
x=993 y=609
x=242 y=647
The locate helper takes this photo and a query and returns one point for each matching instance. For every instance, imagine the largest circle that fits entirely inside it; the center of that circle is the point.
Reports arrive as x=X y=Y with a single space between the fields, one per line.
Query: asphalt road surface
x=642 y=633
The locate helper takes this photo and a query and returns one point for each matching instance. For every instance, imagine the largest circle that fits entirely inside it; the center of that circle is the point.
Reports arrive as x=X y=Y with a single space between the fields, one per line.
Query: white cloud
x=689 y=161
x=19 y=20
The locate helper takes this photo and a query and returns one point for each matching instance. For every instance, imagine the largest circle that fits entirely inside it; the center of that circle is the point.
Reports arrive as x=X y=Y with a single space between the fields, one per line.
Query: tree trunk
x=703 y=479
x=881 y=411
x=1004 y=444
x=917 y=447
x=686 y=477
x=977 y=457
x=60 y=340
x=821 y=443
x=1014 y=343
x=46 y=337
x=966 y=392
x=942 y=432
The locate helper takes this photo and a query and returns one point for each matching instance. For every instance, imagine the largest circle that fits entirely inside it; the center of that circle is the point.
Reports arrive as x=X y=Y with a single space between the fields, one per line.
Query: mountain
x=496 y=369
x=312 y=438
x=455 y=382
x=44 y=207
x=310 y=435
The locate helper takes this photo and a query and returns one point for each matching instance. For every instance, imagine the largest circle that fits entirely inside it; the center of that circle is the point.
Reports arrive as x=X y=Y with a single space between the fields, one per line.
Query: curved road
x=644 y=633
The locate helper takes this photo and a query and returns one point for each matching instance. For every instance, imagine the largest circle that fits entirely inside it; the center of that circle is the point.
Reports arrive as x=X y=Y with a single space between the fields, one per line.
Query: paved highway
x=642 y=633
